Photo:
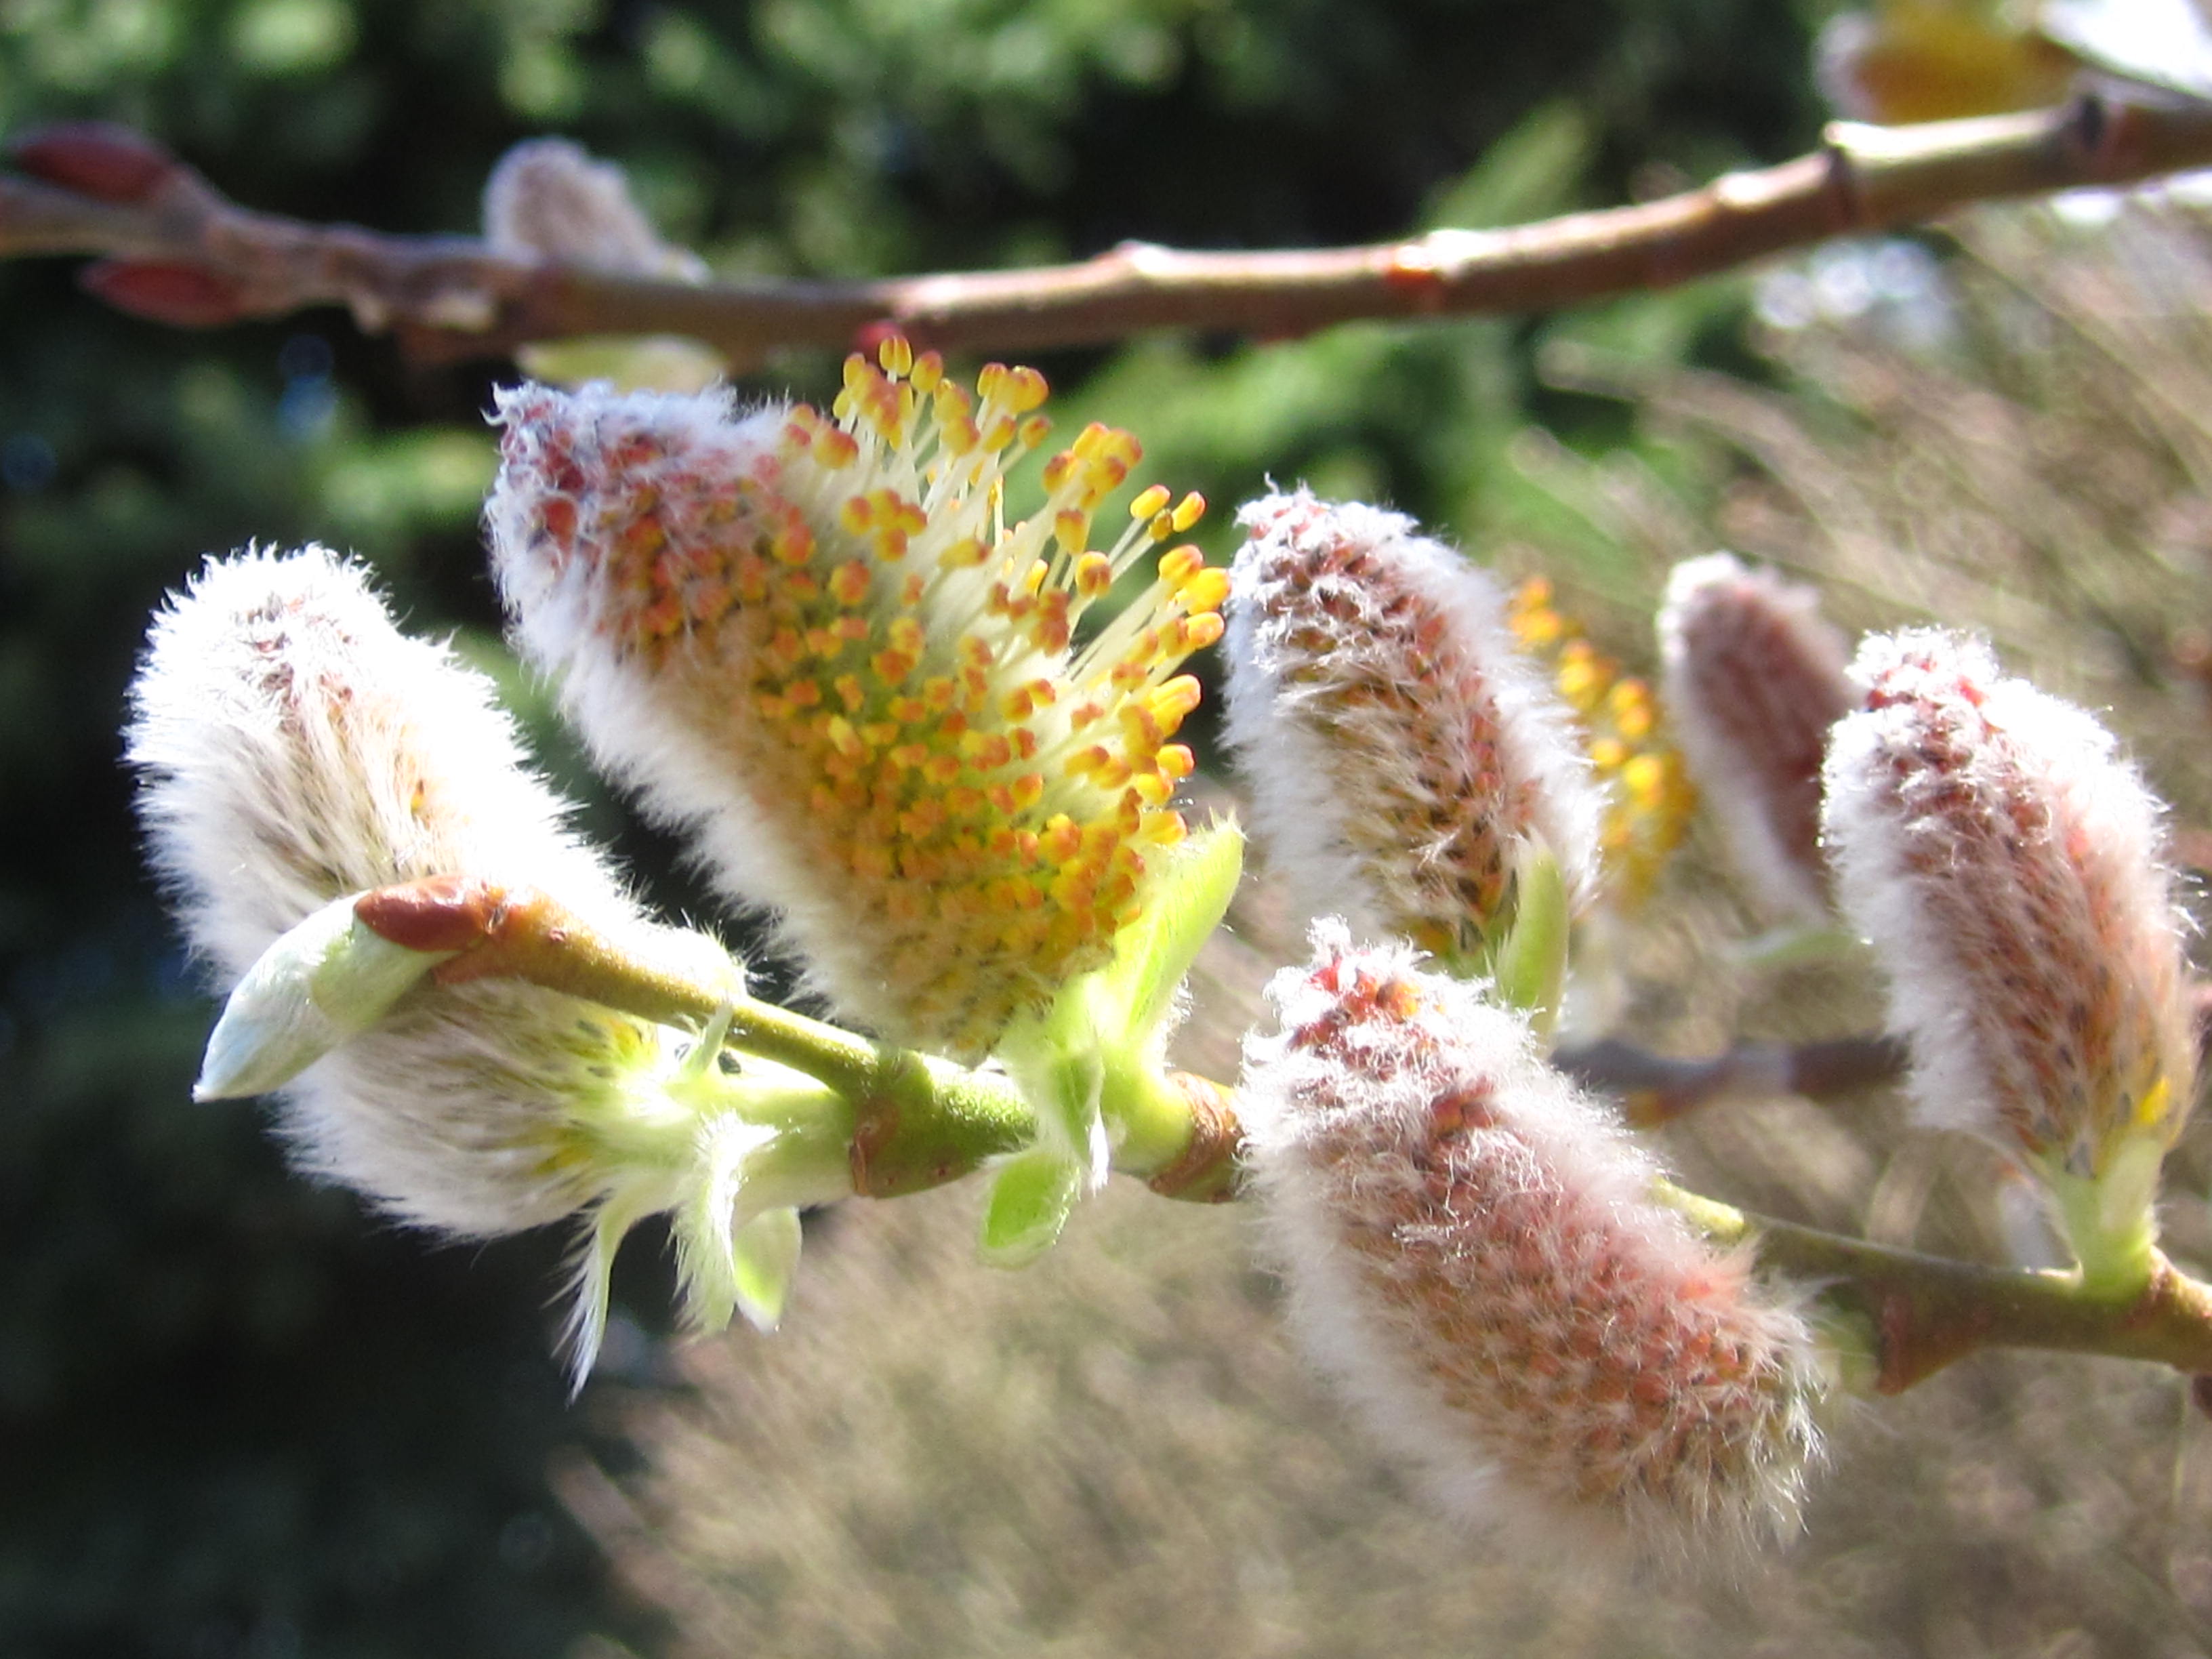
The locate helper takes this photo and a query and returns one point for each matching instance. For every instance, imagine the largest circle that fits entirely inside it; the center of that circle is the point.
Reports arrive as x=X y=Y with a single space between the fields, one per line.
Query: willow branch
x=921 y=1121
x=1655 y=1088
x=1926 y=1312
x=924 y=1121
x=173 y=248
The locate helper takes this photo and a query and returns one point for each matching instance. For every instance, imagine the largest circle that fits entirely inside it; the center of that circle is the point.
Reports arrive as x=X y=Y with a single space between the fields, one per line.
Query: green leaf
x=1530 y=966
x=1185 y=895
x=1032 y=1193
x=763 y=1256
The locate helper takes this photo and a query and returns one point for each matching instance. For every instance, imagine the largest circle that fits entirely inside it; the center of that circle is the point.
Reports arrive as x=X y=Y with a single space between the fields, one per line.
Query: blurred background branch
x=175 y=250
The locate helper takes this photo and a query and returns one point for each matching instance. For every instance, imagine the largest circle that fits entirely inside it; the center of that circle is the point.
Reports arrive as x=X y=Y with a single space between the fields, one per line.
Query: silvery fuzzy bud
x=1754 y=678
x=1404 y=756
x=2007 y=863
x=294 y=748
x=548 y=197
x=1473 y=1254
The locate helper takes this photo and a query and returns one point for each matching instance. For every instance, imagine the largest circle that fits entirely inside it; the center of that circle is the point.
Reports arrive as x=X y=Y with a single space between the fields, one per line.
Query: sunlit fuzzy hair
x=2007 y=865
x=548 y=197
x=293 y=747
x=1754 y=678
x=1401 y=749
x=1474 y=1254
x=816 y=640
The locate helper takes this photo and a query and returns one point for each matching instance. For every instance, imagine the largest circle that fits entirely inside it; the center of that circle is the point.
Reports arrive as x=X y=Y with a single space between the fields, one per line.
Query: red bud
x=183 y=295
x=99 y=158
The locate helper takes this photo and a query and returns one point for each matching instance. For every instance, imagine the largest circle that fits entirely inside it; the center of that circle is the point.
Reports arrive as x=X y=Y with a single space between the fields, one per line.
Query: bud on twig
x=1754 y=678
x=1474 y=1255
x=1404 y=756
x=104 y=160
x=549 y=199
x=330 y=978
x=2006 y=864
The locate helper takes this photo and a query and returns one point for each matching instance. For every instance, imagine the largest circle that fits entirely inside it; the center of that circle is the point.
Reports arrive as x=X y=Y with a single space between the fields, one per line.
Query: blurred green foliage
x=238 y=1415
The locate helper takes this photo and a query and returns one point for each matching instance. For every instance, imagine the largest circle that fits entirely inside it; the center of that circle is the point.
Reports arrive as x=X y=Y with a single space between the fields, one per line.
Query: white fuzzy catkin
x=1401 y=749
x=1474 y=1254
x=1753 y=679
x=2008 y=866
x=815 y=642
x=547 y=197
x=293 y=746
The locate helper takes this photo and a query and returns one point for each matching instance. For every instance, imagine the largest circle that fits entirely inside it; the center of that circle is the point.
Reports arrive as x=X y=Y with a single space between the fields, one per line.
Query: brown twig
x=174 y=249
x=1655 y=1089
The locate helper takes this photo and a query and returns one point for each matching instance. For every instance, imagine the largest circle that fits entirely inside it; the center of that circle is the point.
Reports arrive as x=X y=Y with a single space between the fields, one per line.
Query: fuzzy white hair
x=1473 y=1255
x=1752 y=679
x=1398 y=743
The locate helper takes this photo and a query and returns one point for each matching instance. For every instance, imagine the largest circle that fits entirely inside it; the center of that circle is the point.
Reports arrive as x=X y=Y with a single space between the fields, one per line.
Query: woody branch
x=921 y=1121
x=172 y=247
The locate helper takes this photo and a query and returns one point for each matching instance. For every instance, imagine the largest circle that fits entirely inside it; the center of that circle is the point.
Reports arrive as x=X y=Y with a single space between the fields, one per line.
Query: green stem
x=1925 y=1312
x=918 y=1122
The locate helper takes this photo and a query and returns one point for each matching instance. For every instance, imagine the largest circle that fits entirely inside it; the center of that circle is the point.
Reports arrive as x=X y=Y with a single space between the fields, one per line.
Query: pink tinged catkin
x=1753 y=679
x=815 y=640
x=1401 y=752
x=2007 y=863
x=1474 y=1254
x=293 y=747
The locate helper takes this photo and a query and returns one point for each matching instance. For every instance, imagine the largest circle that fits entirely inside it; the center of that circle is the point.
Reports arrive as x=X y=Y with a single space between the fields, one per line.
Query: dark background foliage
x=239 y=1415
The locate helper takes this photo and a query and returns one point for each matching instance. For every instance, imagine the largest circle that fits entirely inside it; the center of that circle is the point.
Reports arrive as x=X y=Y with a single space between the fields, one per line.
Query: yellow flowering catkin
x=814 y=638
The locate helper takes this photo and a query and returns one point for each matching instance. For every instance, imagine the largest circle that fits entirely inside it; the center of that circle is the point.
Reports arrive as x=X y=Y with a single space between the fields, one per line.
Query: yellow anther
x=1094 y=575
x=1161 y=828
x=1205 y=592
x=1150 y=501
x=928 y=370
x=1172 y=701
x=848 y=688
x=1178 y=565
x=989 y=749
x=1645 y=778
x=842 y=737
x=1072 y=529
x=834 y=448
x=1187 y=511
x=1199 y=631
x=1174 y=761
x=849 y=583
x=896 y=354
x=1025 y=389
